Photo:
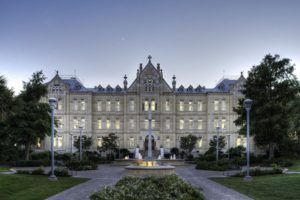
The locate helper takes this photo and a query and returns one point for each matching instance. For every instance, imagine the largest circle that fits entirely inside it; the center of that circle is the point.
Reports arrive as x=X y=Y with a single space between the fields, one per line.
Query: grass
x=4 y=169
x=33 y=187
x=295 y=166
x=270 y=187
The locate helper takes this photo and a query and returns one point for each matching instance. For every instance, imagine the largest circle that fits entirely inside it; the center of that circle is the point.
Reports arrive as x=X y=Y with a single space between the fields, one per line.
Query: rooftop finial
x=149 y=57
x=56 y=72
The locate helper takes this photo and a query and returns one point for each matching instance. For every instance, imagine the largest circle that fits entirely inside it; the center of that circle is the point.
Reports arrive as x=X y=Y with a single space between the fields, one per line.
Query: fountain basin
x=158 y=170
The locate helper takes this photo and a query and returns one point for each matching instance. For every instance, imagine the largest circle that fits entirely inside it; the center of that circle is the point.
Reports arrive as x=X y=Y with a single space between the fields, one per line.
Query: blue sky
x=198 y=41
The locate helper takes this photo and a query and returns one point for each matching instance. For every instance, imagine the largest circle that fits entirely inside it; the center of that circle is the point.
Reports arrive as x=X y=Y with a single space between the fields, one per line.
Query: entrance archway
x=146 y=143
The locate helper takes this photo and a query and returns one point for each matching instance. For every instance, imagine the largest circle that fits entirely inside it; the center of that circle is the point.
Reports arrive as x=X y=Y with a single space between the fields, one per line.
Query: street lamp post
x=80 y=143
x=247 y=105
x=52 y=103
x=217 y=148
x=119 y=140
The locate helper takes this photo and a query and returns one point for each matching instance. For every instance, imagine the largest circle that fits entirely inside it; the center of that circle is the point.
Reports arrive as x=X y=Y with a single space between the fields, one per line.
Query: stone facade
x=176 y=111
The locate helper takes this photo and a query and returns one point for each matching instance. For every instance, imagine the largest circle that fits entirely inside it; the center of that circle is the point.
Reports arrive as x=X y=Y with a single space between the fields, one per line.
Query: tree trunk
x=271 y=150
x=27 y=150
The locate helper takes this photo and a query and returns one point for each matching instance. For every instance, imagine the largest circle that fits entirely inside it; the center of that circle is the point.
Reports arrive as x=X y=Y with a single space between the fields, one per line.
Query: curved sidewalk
x=211 y=189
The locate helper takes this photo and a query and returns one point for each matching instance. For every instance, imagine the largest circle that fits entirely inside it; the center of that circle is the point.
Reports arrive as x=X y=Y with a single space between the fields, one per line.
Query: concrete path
x=211 y=190
x=109 y=175
x=104 y=176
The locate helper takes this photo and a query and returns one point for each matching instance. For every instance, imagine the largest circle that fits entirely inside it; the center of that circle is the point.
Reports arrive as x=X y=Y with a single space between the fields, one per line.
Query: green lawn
x=295 y=166
x=270 y=187
x=33 y=187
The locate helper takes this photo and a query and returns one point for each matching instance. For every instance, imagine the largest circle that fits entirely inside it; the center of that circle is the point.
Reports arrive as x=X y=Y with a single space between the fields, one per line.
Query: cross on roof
x=149 y=57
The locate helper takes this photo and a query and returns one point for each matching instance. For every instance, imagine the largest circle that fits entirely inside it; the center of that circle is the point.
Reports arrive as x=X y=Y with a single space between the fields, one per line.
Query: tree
x=109 y=143
x=7 y=147
x=213 y=145
x=86 y=143
x=271 y=85
x=188 y=143
x=294 y=119
x=30 y=119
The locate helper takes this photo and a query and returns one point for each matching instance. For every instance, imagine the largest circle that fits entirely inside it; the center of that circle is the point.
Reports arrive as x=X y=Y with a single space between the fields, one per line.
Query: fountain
x=149 y=167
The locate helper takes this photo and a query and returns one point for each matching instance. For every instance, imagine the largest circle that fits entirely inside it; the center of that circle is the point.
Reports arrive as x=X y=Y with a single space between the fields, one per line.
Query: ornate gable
x=149 y=79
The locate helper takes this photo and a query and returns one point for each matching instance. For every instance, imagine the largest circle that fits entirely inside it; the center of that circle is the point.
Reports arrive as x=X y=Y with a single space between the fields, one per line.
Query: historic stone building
x=177 y=111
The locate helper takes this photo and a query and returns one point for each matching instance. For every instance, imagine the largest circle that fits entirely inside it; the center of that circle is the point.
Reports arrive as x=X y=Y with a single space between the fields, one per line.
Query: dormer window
x=56 y=88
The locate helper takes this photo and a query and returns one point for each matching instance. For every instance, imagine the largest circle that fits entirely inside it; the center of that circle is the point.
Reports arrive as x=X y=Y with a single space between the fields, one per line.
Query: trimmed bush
x=64 y=157
x=81 y=165
x=158 y=188
x=61 y=171
x=221 y=165
x=31 y=163
x=259 y=172
x=23 y=172
x=45 y=155
x=38 y=171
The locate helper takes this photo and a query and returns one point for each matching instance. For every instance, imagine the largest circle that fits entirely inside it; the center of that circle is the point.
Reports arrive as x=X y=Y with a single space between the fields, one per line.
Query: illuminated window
x=199 y=105
x=99 y=141
x=181 y=124
x=107 y=123
x=99 y=105
x=131 y=142
x=199 y=142
x=99 y=123
x=118 y=107
x=200 y=124
x=153 y=123
x=168 y=124
x=191 y=124
x=75 y=104
x=59 y=104
x=146 y=105
x=223 y=124
x=153 y=105
x=117 y=124
x=146 y=124
x=241 y=141
x=131 y=105
x=108 y=106
x=131 y=123
x=168 y=142
x=181 y=105
x=190 y=106
x=82 y=104
x=216 y=105
x=58 y=141
x=60 y=122
x=223 y=105
x=75 y=123
x=82 y=122
x=38 y=143
x=216 y=123
x=167 y=105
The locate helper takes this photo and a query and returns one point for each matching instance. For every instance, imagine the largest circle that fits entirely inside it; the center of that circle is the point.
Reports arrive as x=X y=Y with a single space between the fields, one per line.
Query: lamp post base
x=248 y=178
x=52 y=178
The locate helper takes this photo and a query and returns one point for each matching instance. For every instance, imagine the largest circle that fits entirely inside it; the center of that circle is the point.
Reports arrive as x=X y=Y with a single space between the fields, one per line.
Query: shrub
x=190 y=157
x=64 y=157
x=259 y=172
x=81 y=165
x=221 y=165
x=61 y=171
x=158 y=188
x=167 y=155
x=23 y=172
x=236 y=151
x=32 y=163
x=45 y=155
x=38 y=171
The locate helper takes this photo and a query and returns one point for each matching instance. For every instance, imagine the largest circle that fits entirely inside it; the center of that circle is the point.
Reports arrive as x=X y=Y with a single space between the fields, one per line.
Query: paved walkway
x=211 y=189
x=104 y=176
x=109 y=175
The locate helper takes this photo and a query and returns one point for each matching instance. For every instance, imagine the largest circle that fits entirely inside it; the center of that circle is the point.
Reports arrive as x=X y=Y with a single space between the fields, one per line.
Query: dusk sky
x=100 y=41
